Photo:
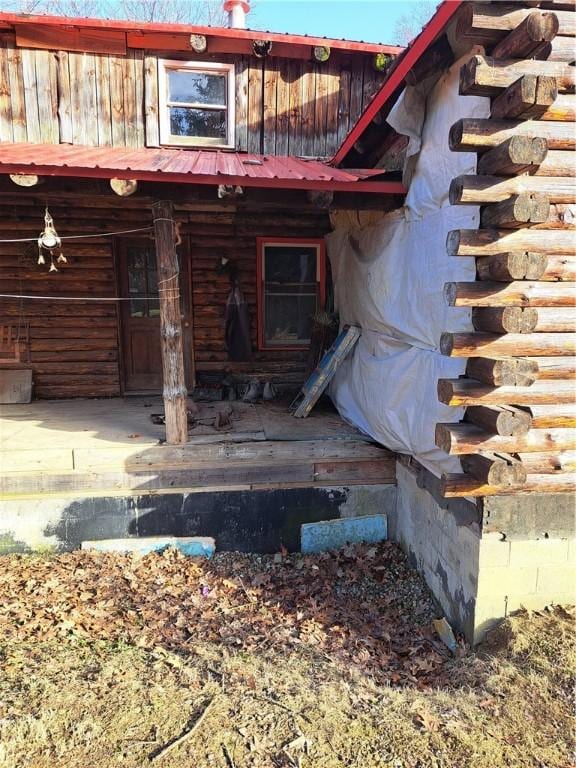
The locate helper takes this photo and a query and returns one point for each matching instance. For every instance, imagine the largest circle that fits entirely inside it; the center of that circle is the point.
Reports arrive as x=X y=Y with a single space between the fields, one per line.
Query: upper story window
x=196 y=103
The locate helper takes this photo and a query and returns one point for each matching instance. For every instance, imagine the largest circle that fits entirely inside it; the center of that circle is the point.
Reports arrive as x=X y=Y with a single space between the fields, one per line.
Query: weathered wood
x=528 y=37
x=474 y=190
x=464 y=392
x=554 y=319
x=505 y=319
x=515 y=155
x=557 y=163
x=554 y=368
x=505 y=267
x=528 y=97
x=64 y=98
x=308 y=110
x=16 y=87
x=479 y=134
x=517 y=211
x=549 y=416
x=455 y=485
x=487 y=242
x=439 y=57
x=487 y=76
x=499 y=420
x=494 y=469
x=559 y=268
x=492 y=345
x=517 y=294
x=562 y=48
x=174 y=388
x=104 y=116
x=487 y=23
x=507 y=372
x=255 y=105
x=117 y=102
x=548 y=463
x=6 y=131
x=45 y=64
x=561 y=216
x=124 y=187
x=26 y=179
x=152 y=108
x=459 y=439
x=30 y=96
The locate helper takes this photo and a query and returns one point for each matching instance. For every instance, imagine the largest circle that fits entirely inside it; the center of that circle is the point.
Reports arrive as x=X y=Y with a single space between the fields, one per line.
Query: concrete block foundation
x=481 y=571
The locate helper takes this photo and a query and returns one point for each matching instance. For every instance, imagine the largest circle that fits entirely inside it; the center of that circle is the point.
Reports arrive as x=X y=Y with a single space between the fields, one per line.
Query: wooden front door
x=142 y=360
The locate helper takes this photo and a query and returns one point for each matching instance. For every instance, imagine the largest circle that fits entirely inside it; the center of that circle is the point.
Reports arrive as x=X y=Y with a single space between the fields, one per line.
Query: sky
x=368 y=20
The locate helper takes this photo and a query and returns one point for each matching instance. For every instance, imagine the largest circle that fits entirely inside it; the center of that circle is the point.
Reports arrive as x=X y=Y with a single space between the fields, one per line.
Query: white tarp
x=389 y=278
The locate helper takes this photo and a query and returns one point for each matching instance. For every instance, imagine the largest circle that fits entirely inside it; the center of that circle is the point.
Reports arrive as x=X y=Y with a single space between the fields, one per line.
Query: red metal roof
x=401 y=67
x=187 y=166
x=10 y=19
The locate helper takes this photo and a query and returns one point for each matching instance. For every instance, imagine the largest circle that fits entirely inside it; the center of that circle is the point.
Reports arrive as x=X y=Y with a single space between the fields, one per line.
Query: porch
x=77 y=469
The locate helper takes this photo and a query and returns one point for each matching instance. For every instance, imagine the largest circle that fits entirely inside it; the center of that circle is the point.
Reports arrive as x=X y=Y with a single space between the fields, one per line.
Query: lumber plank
x=556 y=163
x=549 y=462
x=464 y=392
x=548 y=416
x=554 y=368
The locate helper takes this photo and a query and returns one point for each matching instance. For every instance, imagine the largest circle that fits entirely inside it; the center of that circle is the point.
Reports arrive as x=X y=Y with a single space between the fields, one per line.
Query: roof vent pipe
x=237 y=10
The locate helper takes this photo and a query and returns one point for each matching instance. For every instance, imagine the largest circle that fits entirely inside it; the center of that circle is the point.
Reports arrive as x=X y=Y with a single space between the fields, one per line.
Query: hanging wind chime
x=48 y=240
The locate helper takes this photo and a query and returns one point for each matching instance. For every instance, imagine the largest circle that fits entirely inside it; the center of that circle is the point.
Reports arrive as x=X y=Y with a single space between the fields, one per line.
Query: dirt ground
x=267 y=662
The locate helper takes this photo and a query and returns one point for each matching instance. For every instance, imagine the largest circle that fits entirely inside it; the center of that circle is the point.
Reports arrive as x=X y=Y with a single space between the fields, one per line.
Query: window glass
x=210 y=124
x=196 y=87
x=291 y=293
x=142 y=281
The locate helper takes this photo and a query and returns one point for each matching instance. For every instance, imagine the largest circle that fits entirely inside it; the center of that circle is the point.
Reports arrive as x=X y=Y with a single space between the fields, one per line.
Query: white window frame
x=166 y=137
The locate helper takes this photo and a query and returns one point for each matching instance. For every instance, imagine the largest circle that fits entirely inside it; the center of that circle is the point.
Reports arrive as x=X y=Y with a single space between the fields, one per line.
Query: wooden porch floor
x=103 y=447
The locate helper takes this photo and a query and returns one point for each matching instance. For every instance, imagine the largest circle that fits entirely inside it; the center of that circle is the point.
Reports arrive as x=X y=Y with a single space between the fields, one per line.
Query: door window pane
x=142 y=281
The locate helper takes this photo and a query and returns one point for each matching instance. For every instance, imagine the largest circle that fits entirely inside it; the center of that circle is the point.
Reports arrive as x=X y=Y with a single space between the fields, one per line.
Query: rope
x=79 y=237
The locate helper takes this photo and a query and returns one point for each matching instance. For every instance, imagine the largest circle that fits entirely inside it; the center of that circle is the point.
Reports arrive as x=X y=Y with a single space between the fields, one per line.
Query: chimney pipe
x=237 y=10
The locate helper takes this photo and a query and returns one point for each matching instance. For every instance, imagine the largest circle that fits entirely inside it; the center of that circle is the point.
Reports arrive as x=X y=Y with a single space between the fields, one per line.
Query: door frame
x=120 y=244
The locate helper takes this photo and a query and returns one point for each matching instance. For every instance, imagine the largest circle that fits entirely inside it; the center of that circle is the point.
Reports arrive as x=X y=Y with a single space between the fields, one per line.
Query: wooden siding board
x=295 y=107
x=242 y=84
x=103 y=99
x=151 y=105
x=89 y=102
x=271 y=71
x=117 y=101
x=138 y=67
x=255 y=105
x=64 y=98
x=131 y=131
x=6 y=120
x=308 y=108
x=343 y=123
x=332 y=76
x=282 y=107
x=31 y=96
x=321 y=104
x=356 y=92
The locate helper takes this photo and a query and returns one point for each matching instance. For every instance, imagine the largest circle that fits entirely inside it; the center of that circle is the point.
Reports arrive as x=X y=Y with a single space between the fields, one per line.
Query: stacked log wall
x=74 y=346
x=518 y=434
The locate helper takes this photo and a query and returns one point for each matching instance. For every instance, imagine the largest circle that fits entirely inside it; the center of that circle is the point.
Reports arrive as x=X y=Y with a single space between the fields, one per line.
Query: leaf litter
x=263 y=661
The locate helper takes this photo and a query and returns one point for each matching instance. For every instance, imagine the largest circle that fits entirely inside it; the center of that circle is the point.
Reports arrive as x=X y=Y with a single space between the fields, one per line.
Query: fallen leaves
x=357 y=605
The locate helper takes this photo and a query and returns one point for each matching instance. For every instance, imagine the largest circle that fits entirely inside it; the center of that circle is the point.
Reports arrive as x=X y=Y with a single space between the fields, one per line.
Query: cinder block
x=332 y=534
x=494 y=551
x=192 y=546
x=538 y=601
x=539 y=552
x=506 y=581
x=554 y=579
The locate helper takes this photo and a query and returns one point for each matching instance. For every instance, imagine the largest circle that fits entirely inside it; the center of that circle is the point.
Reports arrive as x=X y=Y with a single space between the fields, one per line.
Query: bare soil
x=267 y=662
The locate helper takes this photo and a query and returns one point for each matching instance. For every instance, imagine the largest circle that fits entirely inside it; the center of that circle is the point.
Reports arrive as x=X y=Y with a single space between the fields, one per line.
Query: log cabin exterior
x=97 y=101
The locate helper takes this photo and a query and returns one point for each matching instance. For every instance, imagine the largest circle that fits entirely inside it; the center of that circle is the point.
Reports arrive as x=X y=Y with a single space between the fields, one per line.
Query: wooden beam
x=555 y=368
x=554 y=319
x=459 y=439
x=174 y=387
x=464 y=392
x=439 y=57
x=505 y=267
x=517 y=211
x=488 y=23
x=478 y=190
x=556 y=462
x=515 y=155
x=511 y=371
x=456 y=485
x=486 y=242
x=529 y=37
x=487 y=76
x=557 y=163
x=559 y=268
x=527 y=293
x=505 y=319
x=499 y=420
x=509 y=344
x=494 y=469
x=550 y=416
x=475 y=134
x=529 y=97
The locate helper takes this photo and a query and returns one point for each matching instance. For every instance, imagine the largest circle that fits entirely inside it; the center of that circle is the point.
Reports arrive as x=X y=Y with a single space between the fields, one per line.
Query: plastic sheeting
x=389 y=279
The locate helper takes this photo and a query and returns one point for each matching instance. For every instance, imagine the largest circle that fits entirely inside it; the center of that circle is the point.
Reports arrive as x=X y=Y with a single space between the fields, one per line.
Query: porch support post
x=174 y=391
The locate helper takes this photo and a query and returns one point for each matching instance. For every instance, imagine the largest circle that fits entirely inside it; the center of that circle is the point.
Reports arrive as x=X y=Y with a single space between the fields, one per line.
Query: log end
x=447 y=344
x=457 y=130
x=450 y=291
x=453 y=241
